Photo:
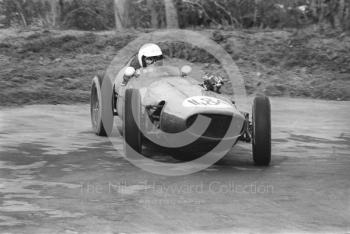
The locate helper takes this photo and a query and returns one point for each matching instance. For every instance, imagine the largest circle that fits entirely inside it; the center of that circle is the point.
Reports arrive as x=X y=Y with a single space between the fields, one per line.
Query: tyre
x=100 y=110
x=261 y=133
x=132 y=121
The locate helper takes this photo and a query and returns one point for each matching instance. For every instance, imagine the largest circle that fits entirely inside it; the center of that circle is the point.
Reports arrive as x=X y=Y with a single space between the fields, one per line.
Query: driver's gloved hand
x=213 y=82
x=126 y=80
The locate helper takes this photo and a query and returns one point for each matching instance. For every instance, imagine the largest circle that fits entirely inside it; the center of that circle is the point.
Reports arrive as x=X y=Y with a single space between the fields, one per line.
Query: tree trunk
x=121 y=10
x=256 y=12
x=321 y=14
x=341 y=11
x=346 y=21
x=154 y=13
x=172 y=20
x=313 y=8
x=55 y=12
x=21 y=14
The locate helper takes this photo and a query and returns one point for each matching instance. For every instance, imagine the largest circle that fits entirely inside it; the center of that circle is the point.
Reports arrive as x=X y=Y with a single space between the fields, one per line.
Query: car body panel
x=185 y=99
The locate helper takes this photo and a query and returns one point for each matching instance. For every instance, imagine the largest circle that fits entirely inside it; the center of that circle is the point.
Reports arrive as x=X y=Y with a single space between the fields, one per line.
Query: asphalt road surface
x=56 y=176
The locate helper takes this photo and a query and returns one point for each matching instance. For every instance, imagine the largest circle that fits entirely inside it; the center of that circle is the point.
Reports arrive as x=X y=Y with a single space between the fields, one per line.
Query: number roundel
x=205 y=101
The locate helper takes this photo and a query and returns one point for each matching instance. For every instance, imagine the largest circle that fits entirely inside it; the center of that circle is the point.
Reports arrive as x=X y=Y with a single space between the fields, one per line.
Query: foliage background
x=99 y=14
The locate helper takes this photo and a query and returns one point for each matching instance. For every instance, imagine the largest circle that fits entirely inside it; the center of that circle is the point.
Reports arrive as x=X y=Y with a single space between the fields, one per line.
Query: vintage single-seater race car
x=168 y=107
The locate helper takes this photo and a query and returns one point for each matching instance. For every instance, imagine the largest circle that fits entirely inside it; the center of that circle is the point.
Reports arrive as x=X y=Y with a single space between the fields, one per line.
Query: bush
x=88 y=15
x=85 y=18
x=24 y=12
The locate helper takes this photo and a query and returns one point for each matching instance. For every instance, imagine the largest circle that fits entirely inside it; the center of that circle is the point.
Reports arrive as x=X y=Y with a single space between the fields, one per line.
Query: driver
x=149 y=54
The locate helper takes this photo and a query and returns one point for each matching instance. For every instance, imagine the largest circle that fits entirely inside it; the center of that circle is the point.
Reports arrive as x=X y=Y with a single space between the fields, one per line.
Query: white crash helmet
x=149 y=50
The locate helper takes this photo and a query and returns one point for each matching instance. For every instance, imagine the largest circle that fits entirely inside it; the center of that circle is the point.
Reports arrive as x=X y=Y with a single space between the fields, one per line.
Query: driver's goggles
x=150 y=60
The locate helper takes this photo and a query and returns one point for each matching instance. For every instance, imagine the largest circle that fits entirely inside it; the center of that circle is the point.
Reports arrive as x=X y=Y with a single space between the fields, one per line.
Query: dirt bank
x=57 y=66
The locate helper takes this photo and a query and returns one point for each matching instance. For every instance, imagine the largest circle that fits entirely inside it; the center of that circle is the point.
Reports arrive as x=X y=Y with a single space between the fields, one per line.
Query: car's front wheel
x=96 y=107
x=100 y=108
x=261 y=133
x=132 y=122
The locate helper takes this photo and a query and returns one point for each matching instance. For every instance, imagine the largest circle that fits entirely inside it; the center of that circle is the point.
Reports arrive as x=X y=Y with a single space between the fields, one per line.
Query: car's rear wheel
x=132 y=122
x=100 y=110
x=261 y=133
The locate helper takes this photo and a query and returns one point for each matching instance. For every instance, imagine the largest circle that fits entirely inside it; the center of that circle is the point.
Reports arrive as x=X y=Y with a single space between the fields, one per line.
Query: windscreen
x=159 y=72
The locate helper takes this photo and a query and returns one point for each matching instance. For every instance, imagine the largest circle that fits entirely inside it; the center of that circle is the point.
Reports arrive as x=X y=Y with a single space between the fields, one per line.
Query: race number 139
x=201 y=101
x=206 y=101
